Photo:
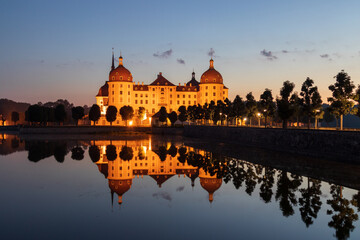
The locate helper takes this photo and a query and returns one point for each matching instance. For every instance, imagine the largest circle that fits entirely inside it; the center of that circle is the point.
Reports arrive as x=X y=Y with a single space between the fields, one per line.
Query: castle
x=121 y=90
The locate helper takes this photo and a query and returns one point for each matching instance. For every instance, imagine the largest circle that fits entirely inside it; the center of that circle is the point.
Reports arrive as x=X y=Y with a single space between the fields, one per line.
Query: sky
x=53 y=50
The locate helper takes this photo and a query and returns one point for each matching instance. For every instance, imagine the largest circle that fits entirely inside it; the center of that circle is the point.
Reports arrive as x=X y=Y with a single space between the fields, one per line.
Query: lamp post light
x=220 y=119
x=316 y=118
x=265 y=110
x=245 y=121
x=258 y=115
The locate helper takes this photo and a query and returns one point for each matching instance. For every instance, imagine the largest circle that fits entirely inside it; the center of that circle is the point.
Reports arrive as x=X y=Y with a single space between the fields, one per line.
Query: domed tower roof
x=103 y=91
x=211 y=75
x=193 y=81
x=120 y=187
x=120 y=73
x=210 y=185
x=160 y=179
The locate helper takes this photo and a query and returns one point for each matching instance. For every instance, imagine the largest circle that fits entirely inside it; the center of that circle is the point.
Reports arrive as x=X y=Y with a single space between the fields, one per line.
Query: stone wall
x=339 y=145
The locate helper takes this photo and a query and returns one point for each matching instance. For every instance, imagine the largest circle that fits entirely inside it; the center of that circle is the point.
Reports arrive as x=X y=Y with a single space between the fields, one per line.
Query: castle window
x=194 y=102
x=214 y=87
x=189 y=96
x=128 y=86
x=146 y=95
x=128 y=93
x=206 y=94
x=113 y=92
x=135 y=101
x=120 y=92
x=135 y=95
x=141 y=101
x=113 y=78
x=189 y=102
x=135 y=88
x=170 y=89
x=153 y=101
x=162 y=89
x=214 y=94
x=178 y=96
x=153 y=110
x=205 y=80
x=170 y=102
x=153 y=89
x=224 y=92
x=184 y=96
x=206 y=87
x=121 y=85
x=121 y=99
x=146 y=101
x=141 y=95
x=170 y=96
x=194 y=96
x=121 y=78
x=183 y=102
x=128 y=99
x=153 y=95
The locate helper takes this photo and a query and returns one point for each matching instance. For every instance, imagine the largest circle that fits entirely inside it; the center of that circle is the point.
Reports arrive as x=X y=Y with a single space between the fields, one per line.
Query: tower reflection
x=121 y=161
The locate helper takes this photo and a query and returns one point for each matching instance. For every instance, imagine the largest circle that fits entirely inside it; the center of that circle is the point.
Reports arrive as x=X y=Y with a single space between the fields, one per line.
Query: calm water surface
x=154 y=188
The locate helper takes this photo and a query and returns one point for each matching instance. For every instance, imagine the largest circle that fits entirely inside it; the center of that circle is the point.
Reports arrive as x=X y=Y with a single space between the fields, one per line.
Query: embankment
x=342 y=146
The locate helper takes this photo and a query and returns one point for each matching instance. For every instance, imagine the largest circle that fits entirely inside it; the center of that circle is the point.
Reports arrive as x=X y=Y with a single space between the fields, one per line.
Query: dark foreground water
x=153 y=188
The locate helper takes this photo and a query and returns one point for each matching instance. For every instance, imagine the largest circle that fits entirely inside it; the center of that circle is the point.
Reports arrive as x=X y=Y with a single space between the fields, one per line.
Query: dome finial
x=112 y=61
x=211 y=63
x=120 y=59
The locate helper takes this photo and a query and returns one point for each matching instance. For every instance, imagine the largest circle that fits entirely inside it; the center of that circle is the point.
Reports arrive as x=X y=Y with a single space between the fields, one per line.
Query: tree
x=284 y=108
x=111 y=112
x=250 y=106
x=14 y=117
x=267 y=105
x=94 y=113
x=126 y=153
x=172 y=151
x=141 y=113
x=238 y=108
x=77 y=113
x=163 y=115
x=60 y=113
x=296 y=105
x=342 y=95
x=60 y=152
x=127 y=113
x=311 y=100
x=328 y=117
x=183 y=113
x=173 y=118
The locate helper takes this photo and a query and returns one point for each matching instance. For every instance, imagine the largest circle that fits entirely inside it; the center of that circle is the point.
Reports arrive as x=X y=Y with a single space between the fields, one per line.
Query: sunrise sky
x=62 y=49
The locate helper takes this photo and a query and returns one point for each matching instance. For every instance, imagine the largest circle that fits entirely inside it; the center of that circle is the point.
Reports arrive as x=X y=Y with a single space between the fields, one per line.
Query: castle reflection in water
x=121 y=161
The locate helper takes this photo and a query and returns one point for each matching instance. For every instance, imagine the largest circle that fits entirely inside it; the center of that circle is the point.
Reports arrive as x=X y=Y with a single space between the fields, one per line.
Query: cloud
x=165 y=54
x=163 y=195
x=211 y=52
x=324 y=55
x=268 y=54
x=180 y=189
x=180 y=61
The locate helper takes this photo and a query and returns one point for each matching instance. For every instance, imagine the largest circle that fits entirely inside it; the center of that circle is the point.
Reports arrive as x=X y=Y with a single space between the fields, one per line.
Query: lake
x=154 y=187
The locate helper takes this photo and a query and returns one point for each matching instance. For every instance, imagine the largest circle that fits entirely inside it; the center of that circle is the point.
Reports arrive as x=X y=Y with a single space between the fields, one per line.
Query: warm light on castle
x=121 y=90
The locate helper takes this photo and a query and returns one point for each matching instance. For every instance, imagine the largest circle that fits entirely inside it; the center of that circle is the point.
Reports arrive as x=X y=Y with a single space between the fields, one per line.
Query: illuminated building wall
x=121 y=90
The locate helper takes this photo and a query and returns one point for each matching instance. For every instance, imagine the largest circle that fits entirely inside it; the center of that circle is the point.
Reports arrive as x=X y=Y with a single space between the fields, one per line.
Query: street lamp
x=258 y=114
x=316 y=120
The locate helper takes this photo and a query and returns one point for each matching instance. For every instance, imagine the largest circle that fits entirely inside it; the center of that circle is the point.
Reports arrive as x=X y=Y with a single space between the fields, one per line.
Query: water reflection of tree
x=285 y=193
x=111 y=154
x=94 y=153
x=60 y=152
x=126 y=153
x=77 y=153
x=343 y=215
x=172 y=151
x=267 y=183
x=310 y=202
x=250 y=179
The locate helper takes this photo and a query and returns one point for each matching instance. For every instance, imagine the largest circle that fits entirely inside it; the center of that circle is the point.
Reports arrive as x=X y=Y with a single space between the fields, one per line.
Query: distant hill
x=8 y=106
